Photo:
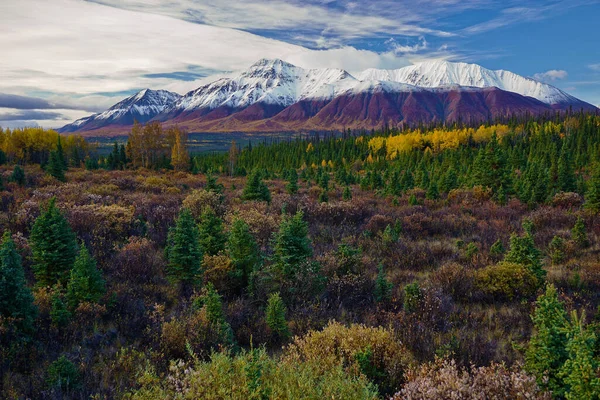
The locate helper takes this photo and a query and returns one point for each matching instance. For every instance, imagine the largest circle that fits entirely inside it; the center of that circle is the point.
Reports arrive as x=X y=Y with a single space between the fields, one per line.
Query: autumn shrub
x=138 y=261
x=337 y=213
x=198 y=200
x=506 y=281
x=339 y=344
x=217 y=269
x=350 y=291
x=454 y=280
x=108 y=189
x=103 y=227
x=443 y=379
x=262 y=223
x=567 y=200
x=252 y=375
x=192 y=330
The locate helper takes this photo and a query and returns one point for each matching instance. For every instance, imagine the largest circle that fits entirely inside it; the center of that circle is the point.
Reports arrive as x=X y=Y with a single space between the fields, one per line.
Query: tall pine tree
x=183 y=250
x=243 y=252
x=86 y=283
x=16 y=300
x=54 y=246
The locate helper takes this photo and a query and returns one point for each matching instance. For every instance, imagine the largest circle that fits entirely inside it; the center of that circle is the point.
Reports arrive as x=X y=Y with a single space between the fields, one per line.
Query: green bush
x=63 y=374
x=506 y=281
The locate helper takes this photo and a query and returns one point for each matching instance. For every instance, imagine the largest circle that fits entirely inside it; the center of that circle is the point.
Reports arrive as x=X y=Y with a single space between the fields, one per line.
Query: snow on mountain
x=269 y=87
x=442 y=73
x=141 y=107
x=273 y=82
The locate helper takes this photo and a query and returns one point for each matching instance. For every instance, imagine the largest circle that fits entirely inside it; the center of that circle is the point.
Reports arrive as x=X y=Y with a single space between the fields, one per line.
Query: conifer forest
x=441 y=261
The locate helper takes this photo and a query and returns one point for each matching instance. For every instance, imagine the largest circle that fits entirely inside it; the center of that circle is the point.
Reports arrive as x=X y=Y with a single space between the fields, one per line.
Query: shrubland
x=434 y=263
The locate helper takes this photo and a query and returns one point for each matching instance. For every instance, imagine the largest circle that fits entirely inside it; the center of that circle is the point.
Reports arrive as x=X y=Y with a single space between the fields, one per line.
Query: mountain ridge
x=277 y=95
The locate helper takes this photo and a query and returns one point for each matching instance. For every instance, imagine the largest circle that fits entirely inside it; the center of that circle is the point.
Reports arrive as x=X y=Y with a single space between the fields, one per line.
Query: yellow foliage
x=436 y=140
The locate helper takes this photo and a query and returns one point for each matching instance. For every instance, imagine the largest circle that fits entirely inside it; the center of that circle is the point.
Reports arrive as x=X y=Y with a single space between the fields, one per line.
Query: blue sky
x=83 y=56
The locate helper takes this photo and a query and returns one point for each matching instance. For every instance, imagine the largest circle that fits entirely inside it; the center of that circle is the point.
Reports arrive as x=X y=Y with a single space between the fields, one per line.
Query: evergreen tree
x=18 y=176
x=212 y=238
x=59 y=313
x=323 y=197
x=54 y=246
x=412 y=297
x=256 y=189
x=212 y=184
x=580 y=370
x=16 y=300
x=243 y=252
x=497 y=248
x=347 y=194
x=523 y=251
x=432 y=191
x=275 y=316
x=546 y=352
x=383 y=288
x=183 y=250
x=215 y=315
x=556 y=250
x=592 y=196
x=579 y=234
x=291 y=244
x=86 y=283
x=490 y=166
x=292 y=186
x=56 y=166
x=63 y=374
x=566 y=176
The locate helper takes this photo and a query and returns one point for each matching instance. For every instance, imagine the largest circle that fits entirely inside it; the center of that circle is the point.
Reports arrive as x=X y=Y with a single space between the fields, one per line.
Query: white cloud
x=79 y=53
x=594 y=67
x=352 y=20
x=408 y=48
x=551 y=76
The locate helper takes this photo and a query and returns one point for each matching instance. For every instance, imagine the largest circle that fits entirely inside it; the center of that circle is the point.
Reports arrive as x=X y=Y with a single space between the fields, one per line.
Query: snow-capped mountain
x=275 y=95
x=141 y=107
x=273 y=82
x=443 y=73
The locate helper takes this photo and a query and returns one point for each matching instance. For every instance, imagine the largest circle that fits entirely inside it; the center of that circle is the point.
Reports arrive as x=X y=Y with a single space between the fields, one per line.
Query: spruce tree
x=497 y=248
x=292 y=186
x=580 y=370
x=347 y=194
x=291 y=245
x=86 y=283
x=54 y=246
x=579 y=234
x=211 y=236
x=56 y=166
x=566 y=176
x=383 y=288
x=18 y=175
x=546 y=352
x=523 y=251
x=212 y=184
x=275 y=316
x=59 y=312
x=256 y=189
x=16 y=300
x=243 y=252
x=592 y=196
x=214 y=313
x=183 y=250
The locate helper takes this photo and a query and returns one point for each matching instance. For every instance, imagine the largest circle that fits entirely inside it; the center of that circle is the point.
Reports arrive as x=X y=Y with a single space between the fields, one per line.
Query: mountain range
x=273 y=95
